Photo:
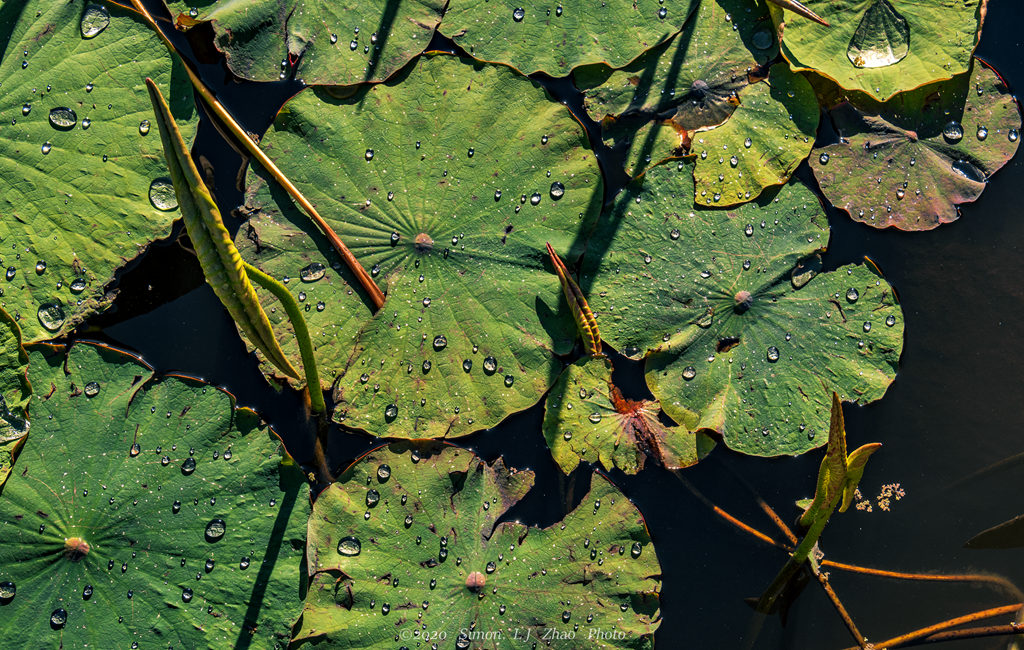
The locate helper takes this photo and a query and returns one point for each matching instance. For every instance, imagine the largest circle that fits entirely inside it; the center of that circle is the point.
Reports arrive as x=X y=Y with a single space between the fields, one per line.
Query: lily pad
x=588 y=419
x=80 y=170
x=743 y=335
x=882 y=47
x=769 y=134
x=908 y=163
x=318 y=41
x=15 y=392
x=408 y=547
x=554 y=39
x=689 y=84
x=146 y=508
x=443 y=190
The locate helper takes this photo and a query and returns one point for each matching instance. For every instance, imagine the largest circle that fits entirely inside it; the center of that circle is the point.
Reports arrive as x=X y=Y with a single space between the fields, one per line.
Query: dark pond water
x=952 y=412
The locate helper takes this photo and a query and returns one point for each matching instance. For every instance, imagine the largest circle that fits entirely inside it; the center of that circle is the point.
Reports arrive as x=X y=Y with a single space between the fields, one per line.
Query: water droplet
x=176 y=506
x=394 y=238
x=490 y=365
x=369 y=154
x=440 y=342
x=773 y=354
x=383 y=472
x=161 y=194
x=674 y=234
x=391 y=412
x=312 y=272
x=186 y=595
x=509 y=380
x=467 y=365
x=50 y=314
x=535 y=198
x=558 y=10
x=890 y=320
x=734 y=161
x=144 y=127
x=134 y=450
x=518 y=14
x=952 y=132
x=349 y=546
x=662 y=13
x=689 y=372
x=91 y=389
x=46 y=148
x=749 y=230
x=491 y=567
x=334 y=39
x=209 y=565
x=62 y=118
x=372 y=498
x=636 y=550
x=58 y=617
x=363 y=378
x=497 y=195
x=215 y=530
x=7 y=591
x=852 y=295
x=165 y=461
x=87 y=592
x=867 y=326
x=95 y=19
x=353 y=45
x=748 y=143
x=557 y=190
x=823 y=158
x=188 y=466
x=982 y=133
x=470 y=152
x=1013 y=135
x=566 y=615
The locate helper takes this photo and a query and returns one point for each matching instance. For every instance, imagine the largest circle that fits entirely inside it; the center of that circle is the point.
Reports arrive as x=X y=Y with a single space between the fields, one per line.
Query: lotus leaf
x=743 y=336
x=318 y=41
x=408 y=547
x=146 y=508
x=14 y=393
x=882 y=47
x=556 y=39
x=908 y=163
x=442 y=189
x=587 y=418
x=84 y=185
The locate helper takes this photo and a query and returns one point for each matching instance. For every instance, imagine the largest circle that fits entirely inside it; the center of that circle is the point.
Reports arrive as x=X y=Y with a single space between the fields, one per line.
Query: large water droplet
x=312 y=272
x=440 y=342
x=372 y=498
x=188 y=466
x=662 y=13
x=7 y=591
x=144 y=127
x=91 y=389
x=161 y=194
x=636 y=550
x=982 y=133
x=890 y=320
x=383 y=472
x=518 y=14
x=51 y=316
x=58 y=617
x=689 y=372
x=953 y=132
x=773 y=354
x=46 y=148
x=391 y=412
x=557 y=190
x=186 y=595
x=823 y=158
x=349 y=546
x=95 y=19
x=881 y=39
x=63 y=118
x=215 y=530
x=852 y=294
x=1013 y=135
x=509 y=380
x=490 y=365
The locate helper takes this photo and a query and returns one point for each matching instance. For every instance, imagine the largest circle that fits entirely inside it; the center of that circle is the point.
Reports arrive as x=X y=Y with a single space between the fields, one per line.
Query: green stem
x=793 y=564
x=291 y=307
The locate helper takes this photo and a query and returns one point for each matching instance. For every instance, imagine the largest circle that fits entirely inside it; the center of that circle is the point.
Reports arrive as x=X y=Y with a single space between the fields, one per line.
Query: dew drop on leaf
x=215 y=530
x=161 y=194
x=95 y=19
x=349 y=546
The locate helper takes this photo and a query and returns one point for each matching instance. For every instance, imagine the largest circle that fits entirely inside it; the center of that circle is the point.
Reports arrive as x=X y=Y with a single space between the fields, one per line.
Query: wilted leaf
x=908 y=163
x=743 y=337
x=883 y=47
x=408 y=547
x=83 y=184
x=319 y=41
x=587 y=418
x=554 y=39
x=146 y=508
x=439 y=186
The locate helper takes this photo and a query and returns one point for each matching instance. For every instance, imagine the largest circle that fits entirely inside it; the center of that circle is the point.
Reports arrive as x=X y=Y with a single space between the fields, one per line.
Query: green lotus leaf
x=769 y=134
x=448 y=196
x=15 y=393
x=554 y=39
x=84 y=185
x=908 y=163
x=587 y=418
x=747 y=341
x=146 y=508
x=318 y=41
x=883 y=47
x=694 y=78
x=407 y=547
